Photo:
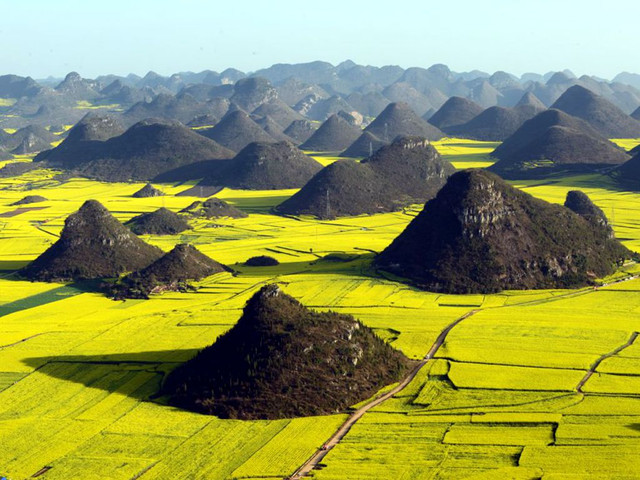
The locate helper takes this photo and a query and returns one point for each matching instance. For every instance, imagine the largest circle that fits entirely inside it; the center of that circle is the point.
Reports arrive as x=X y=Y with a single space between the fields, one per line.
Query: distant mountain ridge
x=287 y=92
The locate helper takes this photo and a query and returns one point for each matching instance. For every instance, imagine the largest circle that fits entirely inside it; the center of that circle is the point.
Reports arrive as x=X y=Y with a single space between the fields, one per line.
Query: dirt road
x=595 y=366
x=317 y=457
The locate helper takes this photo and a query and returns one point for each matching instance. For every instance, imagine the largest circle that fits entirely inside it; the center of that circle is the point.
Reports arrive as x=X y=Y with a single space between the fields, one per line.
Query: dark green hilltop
x=283 y=360
x=481 y=235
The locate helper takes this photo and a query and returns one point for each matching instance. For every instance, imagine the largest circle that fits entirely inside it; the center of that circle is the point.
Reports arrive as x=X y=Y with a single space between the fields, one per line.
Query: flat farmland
x=79 y=373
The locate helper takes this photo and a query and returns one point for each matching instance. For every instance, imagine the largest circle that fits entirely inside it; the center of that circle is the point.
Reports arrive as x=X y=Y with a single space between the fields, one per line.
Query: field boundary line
x=23 y=340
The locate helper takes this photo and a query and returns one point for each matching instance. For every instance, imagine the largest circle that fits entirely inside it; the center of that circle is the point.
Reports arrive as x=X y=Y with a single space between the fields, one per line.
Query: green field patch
x=595 y=405
x=119 y=467
x=517 y=417
x=419 y=432
x=626 y=143
x=290 y=448
x=598 y=434
x=500 y=434
x=440 y=396
x=620 y=365
x=217 y=450
x=474 y=375
x=86 y=105
x=618 y=384
x=327 y=158
x=77 y=392
x=7 y=379
x=506 y=473
x=581 y=461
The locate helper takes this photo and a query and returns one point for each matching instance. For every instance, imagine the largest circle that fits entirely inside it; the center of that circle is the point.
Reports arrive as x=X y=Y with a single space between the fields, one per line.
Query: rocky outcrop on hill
x=481 y=235
x=282 y=360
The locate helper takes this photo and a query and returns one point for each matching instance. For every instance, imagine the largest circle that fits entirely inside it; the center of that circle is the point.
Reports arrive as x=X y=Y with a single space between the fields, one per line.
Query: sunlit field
x=626 y=143
x=7 y=102
x=459 y=151
x=464 y=153
x=326 y=158
x=84 y=104
x=505 y=397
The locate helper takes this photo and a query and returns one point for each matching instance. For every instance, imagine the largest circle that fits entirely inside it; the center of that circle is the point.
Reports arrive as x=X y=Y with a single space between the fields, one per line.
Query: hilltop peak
x=481 y=235
x=600 y=113
x=92 y=244
x=283 y=360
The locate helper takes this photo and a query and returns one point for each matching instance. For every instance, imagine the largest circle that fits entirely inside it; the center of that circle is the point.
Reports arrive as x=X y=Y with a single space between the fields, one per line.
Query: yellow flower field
x=79 y=372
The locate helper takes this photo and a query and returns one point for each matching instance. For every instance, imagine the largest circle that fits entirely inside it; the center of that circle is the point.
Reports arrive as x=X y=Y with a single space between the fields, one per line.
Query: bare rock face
x=480 y=235
x=282 y=360
x=479 y=219
x=93 y=244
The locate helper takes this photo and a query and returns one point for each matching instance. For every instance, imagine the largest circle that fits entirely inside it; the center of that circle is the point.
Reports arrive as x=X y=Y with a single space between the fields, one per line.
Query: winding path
x=597 y=363
x=317 y=457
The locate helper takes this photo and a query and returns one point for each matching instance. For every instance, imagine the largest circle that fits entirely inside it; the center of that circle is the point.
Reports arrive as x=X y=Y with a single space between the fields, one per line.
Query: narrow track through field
x=319 y=455
x=597 y=363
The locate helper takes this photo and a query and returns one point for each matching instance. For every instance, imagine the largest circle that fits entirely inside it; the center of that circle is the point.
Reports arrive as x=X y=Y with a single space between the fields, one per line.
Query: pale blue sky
x=48 y=37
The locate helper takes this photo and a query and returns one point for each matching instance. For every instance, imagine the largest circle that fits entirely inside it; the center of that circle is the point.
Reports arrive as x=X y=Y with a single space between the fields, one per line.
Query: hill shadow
x=7 y=267
x=63 y=291
x=113 y=372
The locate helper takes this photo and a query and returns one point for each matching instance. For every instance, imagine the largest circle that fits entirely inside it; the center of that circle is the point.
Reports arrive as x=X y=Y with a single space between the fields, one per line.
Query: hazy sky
x=49 y=37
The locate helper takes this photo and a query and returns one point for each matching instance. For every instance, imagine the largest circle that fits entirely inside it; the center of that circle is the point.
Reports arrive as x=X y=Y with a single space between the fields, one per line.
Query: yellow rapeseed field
x=79 y=372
